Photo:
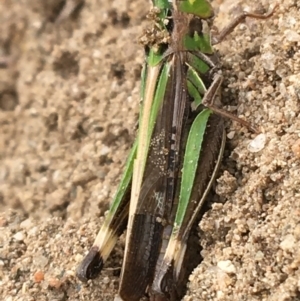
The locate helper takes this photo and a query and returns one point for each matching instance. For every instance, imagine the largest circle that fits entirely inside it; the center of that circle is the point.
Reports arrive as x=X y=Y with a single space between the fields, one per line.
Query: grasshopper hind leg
x=209 y=101
x=240 y=19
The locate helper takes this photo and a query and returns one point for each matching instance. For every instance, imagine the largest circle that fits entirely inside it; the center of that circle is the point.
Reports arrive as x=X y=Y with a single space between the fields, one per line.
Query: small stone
x=292 y=36
x=288 y=243
x=33 y=231
x=268 y=61
x=104 y=150
x=26 y=224
x=54 y=282
x=38 y=276
x=78 y=257
x=19 y=236
x=257 y=144
x=40 y=261
x=259 y=256
x=296 y=148
x=3 y=221
x=297 y=232
x=226 y=266
x=220 y=295
x=230 y=135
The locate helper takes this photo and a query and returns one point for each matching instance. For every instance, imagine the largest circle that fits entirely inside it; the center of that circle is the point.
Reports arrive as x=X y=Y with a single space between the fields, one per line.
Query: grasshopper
x=175 y=157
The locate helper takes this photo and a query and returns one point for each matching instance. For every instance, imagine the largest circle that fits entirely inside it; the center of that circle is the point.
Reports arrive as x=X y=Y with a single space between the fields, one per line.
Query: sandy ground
x=69 y=97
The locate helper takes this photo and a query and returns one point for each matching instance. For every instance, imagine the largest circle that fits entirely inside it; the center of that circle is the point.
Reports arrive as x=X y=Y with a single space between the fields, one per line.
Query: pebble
x=257 y=144
x=227 y=266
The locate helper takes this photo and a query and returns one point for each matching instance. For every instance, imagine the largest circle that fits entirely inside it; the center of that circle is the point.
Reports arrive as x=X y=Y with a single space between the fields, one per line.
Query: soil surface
x=69 y=101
